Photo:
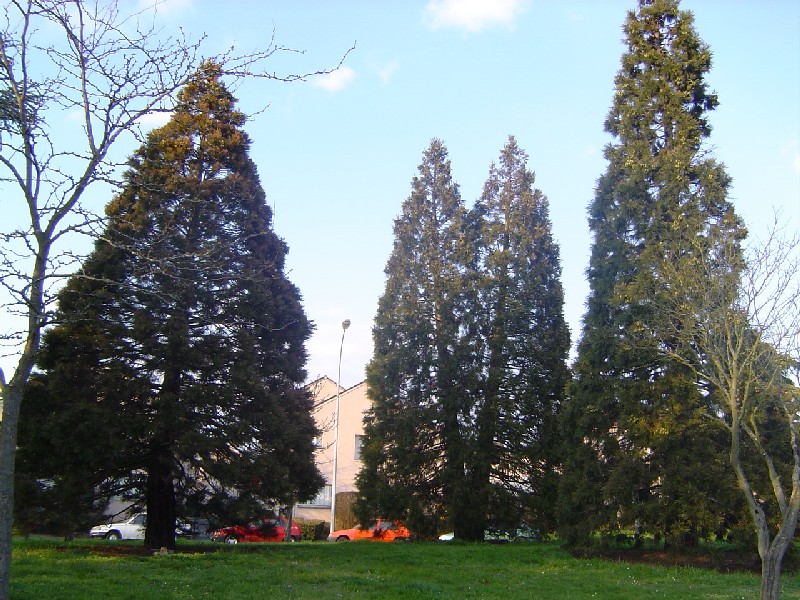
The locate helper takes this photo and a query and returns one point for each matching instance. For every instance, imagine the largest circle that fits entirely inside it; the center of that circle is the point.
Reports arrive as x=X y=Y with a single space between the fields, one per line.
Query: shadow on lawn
x=140 y=550
x=724 y=561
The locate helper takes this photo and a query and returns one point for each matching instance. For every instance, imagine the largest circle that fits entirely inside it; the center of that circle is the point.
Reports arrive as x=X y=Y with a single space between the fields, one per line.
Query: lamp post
x=345 y=325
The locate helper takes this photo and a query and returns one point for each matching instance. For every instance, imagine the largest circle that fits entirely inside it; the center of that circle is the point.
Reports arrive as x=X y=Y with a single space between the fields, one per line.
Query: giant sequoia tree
x=76 y=78
x=523 y=370
x=470 y=357
x=639 y=449
x=181 y=340
x=415 y=456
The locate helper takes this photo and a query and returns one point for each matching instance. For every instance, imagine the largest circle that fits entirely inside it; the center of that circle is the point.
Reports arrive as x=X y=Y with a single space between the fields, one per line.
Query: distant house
x=353 y=404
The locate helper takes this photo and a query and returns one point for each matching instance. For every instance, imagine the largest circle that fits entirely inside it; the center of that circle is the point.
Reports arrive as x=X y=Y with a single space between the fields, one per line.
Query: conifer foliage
x=470 y=357
x=634 y=420
x=526 y=340
x=414 y=459
x=181 y=341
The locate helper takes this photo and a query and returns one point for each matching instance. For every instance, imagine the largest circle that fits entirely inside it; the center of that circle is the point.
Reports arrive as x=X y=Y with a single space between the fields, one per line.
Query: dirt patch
x=140 y=550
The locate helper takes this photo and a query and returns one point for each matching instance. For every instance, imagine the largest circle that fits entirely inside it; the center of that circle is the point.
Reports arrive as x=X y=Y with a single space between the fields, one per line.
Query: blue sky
x=336 y=154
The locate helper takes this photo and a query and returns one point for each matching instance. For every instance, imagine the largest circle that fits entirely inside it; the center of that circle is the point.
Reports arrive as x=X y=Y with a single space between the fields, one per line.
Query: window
x=359 y=443
x=322 y=499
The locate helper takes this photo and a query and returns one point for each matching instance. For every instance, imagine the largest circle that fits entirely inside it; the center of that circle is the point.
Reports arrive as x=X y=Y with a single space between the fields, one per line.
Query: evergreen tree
x=182 y=338
x=470 y=358
x=419 y=382
x=639 y=450
x=526 y=344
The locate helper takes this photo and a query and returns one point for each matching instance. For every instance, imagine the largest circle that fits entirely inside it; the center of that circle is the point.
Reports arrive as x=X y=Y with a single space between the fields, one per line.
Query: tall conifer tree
x=639 y=450
x=526 y=344
x=470 y=357
x=182 y=334
x=414 y=461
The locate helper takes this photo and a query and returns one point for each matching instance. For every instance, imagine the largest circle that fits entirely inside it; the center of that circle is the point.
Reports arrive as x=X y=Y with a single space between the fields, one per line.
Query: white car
x=132 y=529
x=523 y=534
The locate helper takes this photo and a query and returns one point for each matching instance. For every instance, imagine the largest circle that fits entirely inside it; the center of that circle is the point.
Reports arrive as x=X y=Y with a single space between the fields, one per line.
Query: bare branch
x=734 y=319
x=77 y=77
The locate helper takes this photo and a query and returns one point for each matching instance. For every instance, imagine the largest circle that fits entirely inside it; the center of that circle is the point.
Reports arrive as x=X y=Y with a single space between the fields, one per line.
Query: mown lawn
x=82 y=569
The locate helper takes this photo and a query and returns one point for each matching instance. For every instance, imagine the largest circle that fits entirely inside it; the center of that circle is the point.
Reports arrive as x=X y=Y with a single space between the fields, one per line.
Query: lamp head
x=345 y=323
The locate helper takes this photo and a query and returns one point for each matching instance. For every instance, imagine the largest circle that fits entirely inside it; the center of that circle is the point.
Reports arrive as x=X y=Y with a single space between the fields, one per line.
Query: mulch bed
x=722 y=561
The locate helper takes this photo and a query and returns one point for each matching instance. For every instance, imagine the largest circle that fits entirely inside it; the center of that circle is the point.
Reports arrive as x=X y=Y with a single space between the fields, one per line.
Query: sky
x=336 y=154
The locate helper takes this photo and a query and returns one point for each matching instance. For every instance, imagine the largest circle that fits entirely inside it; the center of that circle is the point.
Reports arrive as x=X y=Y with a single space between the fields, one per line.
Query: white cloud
x=155 y=119
x=471 y=15
x=336 y=80
x=386 y=71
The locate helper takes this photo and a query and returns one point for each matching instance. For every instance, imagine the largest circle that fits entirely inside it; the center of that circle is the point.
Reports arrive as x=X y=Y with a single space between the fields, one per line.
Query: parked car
x=192 y=528
x=498 y=536
x=379 y=530
x=132 y=529
x=270 y=529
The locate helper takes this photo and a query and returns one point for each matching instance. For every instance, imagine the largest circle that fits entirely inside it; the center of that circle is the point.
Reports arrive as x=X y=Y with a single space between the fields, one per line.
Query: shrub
x=345 y=517
x=313 y=530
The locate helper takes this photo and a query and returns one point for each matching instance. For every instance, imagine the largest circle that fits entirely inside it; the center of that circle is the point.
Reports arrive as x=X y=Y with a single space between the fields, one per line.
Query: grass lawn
x=45 y=569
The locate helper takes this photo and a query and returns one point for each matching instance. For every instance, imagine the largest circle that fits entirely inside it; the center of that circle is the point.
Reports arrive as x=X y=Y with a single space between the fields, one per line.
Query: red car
x=271 y=529
x=380 y=530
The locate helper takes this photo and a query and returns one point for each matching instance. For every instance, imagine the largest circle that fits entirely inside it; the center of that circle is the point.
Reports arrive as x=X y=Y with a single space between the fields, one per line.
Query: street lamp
x=345 y=325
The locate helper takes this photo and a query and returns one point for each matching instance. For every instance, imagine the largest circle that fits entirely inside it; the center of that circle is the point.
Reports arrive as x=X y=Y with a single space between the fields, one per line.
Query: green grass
x=43 y=569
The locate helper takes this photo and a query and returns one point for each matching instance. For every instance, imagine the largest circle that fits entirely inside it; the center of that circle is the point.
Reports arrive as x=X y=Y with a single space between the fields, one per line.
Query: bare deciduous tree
x=734 y=319
x=76 y=78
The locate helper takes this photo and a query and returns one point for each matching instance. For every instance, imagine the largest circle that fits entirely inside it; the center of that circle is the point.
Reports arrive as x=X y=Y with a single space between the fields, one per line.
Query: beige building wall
x=353 y=404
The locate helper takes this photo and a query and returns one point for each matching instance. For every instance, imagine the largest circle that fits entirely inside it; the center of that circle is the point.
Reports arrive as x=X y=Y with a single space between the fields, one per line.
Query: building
x=353 y=404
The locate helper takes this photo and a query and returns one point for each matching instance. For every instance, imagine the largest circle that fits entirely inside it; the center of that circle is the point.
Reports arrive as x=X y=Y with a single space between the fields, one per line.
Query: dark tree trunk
x=485 y=454
x=289 y=511
x=160 y=529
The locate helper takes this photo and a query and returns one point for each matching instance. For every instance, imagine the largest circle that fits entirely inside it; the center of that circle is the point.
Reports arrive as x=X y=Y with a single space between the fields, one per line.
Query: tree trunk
x=11 y=402
x=160 y=529
x=12 y=397
x=772 y=559
x=771 y=572
x=287 y=537
x=770 y=551
x=485 y=452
